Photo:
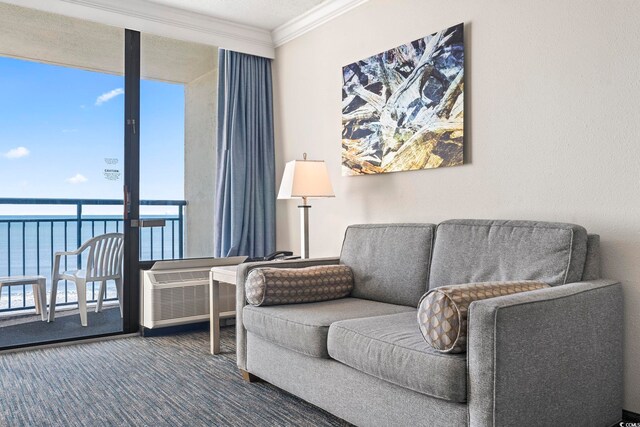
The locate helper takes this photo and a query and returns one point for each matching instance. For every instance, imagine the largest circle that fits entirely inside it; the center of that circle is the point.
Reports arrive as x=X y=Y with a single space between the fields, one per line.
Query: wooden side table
x=226 y=274
x=39 y=284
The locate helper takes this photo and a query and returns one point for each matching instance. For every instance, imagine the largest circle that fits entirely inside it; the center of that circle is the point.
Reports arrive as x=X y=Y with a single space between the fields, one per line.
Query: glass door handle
x=127 y=202
x=141 y=223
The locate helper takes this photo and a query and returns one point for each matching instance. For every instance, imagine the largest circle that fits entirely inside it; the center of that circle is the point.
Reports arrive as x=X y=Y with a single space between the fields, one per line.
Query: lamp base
x=304 y=230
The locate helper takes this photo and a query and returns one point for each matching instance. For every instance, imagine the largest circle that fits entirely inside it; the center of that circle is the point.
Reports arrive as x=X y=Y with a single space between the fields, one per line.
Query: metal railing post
x=79 y=232
x=180 y=231
x=9 y=250
x=9 y=263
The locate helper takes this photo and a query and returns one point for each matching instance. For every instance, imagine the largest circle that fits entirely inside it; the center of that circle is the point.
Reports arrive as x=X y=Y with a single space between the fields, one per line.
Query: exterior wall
x=200 y=161
x=551 y=129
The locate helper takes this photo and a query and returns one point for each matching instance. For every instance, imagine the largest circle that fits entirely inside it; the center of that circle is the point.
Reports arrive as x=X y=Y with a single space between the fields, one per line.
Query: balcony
x=28 y=244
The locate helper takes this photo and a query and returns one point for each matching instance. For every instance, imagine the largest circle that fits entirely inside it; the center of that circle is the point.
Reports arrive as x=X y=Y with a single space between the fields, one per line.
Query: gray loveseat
x=542 y=358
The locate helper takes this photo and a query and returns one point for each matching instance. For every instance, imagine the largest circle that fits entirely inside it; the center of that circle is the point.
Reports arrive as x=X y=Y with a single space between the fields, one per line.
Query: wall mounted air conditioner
x=177 y=292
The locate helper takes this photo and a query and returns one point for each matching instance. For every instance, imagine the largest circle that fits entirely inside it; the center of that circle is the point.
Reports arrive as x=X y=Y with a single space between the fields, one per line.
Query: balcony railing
x=29 y=242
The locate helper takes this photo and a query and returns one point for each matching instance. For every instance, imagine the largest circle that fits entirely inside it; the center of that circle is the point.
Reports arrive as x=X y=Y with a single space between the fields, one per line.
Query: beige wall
x=552 y=126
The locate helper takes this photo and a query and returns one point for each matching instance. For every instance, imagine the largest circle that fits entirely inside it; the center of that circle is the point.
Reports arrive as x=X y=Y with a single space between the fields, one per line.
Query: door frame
x=131 y=261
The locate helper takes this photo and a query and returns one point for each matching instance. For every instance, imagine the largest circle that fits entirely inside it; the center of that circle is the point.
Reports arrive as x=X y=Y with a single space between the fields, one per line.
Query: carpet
x=157 y=381
x=20 y=330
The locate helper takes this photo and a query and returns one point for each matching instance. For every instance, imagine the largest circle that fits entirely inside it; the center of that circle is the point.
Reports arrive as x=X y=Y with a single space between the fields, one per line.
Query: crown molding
x=324 y=12
x=162 y=20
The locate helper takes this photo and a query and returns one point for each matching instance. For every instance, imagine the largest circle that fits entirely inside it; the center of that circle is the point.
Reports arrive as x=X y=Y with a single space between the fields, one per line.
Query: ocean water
x=27 y=245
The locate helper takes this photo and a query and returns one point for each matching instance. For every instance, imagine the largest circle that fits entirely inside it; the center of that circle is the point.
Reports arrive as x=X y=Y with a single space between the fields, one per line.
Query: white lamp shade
x=305 y=178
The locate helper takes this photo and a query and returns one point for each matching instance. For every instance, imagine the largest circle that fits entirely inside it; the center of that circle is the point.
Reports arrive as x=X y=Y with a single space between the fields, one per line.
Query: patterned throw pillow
x=274 y=286
x=442 y=312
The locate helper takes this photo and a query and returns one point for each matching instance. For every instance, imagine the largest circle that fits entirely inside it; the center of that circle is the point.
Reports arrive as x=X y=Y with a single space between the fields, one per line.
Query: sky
x=61 y=127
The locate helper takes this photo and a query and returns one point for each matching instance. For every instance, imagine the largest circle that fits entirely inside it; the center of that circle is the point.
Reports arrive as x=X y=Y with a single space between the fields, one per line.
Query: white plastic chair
x=103 y=262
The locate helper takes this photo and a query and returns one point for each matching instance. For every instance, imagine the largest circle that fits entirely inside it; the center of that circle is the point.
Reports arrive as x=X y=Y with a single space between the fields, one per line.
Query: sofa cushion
x=442 y=313
x=390 y=262
x=391 y=348
x=274 y=286
x=467 y=251
x=304 y=327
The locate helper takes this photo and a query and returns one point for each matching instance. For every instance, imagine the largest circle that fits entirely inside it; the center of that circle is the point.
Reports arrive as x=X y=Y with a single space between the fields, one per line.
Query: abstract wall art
x=403 y=109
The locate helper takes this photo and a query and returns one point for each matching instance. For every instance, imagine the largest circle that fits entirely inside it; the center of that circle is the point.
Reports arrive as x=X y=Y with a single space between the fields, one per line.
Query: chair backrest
x=105 y=256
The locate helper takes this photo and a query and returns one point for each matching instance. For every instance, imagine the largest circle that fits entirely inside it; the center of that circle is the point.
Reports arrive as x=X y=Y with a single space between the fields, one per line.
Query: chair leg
x=52 y=299
x=42 y=298
x=36 y=297
x=81 y=287
x=101 y=294
x=119 y=291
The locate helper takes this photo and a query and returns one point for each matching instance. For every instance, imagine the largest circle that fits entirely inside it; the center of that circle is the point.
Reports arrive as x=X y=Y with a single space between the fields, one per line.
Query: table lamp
x=305 y=179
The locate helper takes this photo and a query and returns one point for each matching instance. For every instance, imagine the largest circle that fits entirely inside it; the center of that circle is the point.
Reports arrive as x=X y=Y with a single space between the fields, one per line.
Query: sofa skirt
x=354 y=396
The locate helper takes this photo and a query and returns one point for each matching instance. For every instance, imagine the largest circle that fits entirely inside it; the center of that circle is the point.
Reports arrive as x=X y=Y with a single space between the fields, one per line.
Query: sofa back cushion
x=592 y=261
x=467 y=251
x=390 y=262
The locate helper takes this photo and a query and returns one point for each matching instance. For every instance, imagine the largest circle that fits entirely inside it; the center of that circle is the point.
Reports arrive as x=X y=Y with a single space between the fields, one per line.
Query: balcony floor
x=30 y=329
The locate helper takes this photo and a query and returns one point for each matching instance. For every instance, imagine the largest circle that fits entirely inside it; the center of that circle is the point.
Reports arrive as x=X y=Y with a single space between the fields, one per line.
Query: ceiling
x=264 y=14
x=255 y=27
x=56 y=39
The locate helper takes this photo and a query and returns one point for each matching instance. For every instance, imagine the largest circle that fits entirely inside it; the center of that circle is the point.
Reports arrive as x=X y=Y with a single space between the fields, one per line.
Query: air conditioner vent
x=180 y=276
x=185 y=301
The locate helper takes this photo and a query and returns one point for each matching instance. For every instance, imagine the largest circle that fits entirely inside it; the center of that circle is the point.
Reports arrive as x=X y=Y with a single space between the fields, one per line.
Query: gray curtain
x=245 y=197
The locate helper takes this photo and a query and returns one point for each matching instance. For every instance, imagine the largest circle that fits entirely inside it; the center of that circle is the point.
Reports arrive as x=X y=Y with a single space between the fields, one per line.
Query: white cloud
x=108 y=96
x=77 y=179
x=16 y=153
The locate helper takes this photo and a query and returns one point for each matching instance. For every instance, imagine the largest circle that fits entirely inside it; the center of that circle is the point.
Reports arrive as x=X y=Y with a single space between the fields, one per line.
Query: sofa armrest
x=547 y=357
x=241 y=301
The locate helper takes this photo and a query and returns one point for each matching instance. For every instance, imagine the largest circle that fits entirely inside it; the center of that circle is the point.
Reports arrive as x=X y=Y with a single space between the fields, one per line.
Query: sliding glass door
x=63 y=164
x=107 y=145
